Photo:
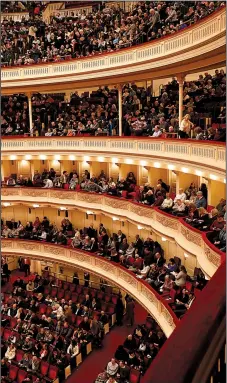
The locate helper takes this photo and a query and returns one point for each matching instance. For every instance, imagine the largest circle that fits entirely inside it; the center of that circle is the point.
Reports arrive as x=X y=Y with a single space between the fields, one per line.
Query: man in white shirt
x=112 y=367
x=167 y=203
x=157 y=132
x=142 y=274
x=181 y=195
x=48 y=184
x=179 y=207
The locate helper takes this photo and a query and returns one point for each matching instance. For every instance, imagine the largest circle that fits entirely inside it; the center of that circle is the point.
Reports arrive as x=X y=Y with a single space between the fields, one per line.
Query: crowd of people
x=189 y=204
x=96 y=113
x=106 y=29
x=48 y=322
x=136 y=353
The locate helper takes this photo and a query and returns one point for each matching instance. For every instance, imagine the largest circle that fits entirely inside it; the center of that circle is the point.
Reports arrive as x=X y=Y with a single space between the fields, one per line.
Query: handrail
x=147 y=56
x=193 y=337
x=95 y=264
x=209 y=256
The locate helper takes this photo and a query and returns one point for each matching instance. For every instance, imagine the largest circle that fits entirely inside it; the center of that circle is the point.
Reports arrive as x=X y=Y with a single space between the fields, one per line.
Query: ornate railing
x=116 y=274
x=187 y=237
x=205 y=154
x=199 y=39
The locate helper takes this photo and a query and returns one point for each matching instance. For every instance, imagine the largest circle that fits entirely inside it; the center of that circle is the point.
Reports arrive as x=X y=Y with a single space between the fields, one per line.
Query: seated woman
x=167 y=204
x=73 y=182
x=76 y=242
x=191 y=189
x=203 y=220
x=172 y=266
x=180 y=278
x=167 y=285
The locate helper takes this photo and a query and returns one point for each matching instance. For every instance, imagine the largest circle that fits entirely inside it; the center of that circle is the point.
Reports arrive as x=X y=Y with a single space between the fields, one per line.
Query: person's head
x=157 y=255
x=113 y=361
x=181 y=191
x=183 y=269
x=220 y=217
x=199 y=194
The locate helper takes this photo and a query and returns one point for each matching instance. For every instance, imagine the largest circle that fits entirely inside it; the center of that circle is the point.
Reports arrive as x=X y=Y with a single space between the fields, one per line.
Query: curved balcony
x=195 y=48
x=207 y=155
x=114 y=273
x=187 y=237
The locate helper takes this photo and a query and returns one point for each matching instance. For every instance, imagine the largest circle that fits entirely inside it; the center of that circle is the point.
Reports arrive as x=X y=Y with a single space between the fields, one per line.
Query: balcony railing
x=110 y=271
x=187 y=237
x=203 y=154
x=201 y=38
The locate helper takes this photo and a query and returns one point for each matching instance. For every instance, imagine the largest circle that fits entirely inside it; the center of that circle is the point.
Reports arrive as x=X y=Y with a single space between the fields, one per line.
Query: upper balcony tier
x=195 y=48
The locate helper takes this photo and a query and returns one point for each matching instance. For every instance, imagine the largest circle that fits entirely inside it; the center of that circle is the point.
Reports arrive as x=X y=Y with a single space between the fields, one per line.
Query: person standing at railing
x=185 y=127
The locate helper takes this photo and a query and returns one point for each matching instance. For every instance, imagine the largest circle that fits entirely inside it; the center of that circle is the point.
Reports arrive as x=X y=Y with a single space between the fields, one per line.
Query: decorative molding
x=166 y=221
x=28 y=246
x=147 y=293
x=212 y=256
x=54 y=250
x=191 y=236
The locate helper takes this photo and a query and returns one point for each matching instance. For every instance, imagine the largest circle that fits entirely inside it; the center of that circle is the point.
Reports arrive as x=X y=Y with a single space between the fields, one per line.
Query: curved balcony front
x=205 y=155
x=195 y=48
x=110 y=271
x=188 y=238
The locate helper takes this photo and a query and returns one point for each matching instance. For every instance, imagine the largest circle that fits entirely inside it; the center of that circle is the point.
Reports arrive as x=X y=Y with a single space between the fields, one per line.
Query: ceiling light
x=86 y=158
x=129 y=161
x=171 y=167
x=57 y=157
x=184 y=170
x=143 y=163
x=164 y=239
x=72 y=158
x=89 y=212
x=157 y=164
x=224 y=180
x=213 y=177
x=140 y=227
x=28 y=157
x=13 y=157
x=115 y=219
x=62 y=208
x=6 y=204
x=186 y=255
x=42 y=157
x=101 y=159
x=198 y=173
x=35 y=205
x=114 y=160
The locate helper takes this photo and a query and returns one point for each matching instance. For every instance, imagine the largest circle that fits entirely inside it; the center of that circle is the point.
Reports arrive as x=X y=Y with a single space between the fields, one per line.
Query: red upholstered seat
x=134 y=376
x=19 y=355
x=42 y=309
x=72 y=287
x=7 y=333
x=54 y=292
x=67 y=295
x=21 y=376
x=74 y=297
x=124 y=194
x=61 y=293
x=44 y=368
x=53 y=372
x=13 y=370
x=79 y=289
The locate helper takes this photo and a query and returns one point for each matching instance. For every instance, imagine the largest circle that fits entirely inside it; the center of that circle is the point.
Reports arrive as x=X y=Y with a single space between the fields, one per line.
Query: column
x=29 y=95
x=180 y=79
x=119 y=87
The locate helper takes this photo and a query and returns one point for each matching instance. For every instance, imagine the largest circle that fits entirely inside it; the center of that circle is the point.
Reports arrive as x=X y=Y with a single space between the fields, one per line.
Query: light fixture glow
x=62 y=208
x=100 y=159
x=171 y=167
x=114 y=160
x=224 y=180
x=42 y=157
x=129 y=161
x=57 y=157
x=186 y=255
x=28 y=157
x=13 y=157
x=115 y=219
x=35 y=205
x=213 y=177
x=198 y=173
x=6 y=204
x=140 y=227
x=164 y=239
x=184 y=170
x=157 y=164
x=143 y=163
x=86 y=158
x=72 y=158
x=89 y=212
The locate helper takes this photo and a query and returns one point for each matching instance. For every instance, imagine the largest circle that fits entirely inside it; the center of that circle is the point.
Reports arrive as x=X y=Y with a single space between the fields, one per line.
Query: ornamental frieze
x=167 y=222
x=212 y=256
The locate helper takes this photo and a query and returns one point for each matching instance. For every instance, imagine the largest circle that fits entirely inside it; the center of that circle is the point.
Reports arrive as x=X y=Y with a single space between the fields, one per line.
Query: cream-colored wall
x=155 y=173
x=97 y=167
x=126 y=168
x=184 y=180
x=217 y=190
x=10 y=167
x=24 y=168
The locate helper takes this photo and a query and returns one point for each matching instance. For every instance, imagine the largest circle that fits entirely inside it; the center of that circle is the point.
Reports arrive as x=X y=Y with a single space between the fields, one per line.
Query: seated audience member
x=130 y=342
x=112 y=368
x=200 y=200
x=220 y=239
x=167 y=204
x=221 y=206
x=123 y=371
x=180 y=196
x=184 y=306
x=179 y=208
x=10 y=352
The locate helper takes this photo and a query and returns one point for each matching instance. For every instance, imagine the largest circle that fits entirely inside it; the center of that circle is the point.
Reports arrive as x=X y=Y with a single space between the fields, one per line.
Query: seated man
x=167 y=203
x=220 y=240
x=112 y=367
x=178 y=208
